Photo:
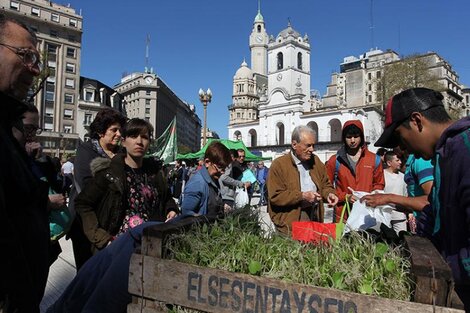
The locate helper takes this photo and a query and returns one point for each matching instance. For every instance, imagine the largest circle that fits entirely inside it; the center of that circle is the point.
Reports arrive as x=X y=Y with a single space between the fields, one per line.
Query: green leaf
x=338 y=280
x=380 y=249
x=390 y=266
x=254 y=268
x=366 y=288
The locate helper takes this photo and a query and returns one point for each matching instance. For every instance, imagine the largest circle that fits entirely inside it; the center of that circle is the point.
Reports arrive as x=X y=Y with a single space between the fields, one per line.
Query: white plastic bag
x=241 y=198
x=364 y=217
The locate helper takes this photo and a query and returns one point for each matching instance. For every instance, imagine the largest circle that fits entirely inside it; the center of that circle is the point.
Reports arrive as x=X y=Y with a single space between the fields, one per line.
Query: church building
x=274 y=96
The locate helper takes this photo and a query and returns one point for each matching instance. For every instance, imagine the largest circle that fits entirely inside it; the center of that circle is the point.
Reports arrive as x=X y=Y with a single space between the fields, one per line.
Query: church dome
x=244 y=72
x=289 y=31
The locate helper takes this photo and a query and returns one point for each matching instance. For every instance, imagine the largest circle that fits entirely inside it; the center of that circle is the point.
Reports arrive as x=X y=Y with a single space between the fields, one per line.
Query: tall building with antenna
x=145 y=95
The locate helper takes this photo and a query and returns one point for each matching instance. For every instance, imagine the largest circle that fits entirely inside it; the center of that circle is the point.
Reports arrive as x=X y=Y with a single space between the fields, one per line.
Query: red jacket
x=368 y=175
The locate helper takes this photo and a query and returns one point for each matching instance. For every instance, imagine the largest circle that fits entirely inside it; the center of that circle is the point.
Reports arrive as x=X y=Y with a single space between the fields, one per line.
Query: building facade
x=267 y=106
x=147 y=96
x=360 y=80
x=59 y=32
x=93 y=96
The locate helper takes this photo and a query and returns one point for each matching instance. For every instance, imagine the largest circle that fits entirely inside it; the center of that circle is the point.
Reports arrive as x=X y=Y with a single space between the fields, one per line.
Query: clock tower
x=259 y=45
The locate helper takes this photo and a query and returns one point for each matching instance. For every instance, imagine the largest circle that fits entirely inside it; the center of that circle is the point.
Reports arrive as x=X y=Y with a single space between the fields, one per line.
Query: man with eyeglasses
x=24 y=235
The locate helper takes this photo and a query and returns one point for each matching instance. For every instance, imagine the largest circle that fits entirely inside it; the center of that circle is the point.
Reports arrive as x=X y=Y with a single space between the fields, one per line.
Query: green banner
x=164 y=147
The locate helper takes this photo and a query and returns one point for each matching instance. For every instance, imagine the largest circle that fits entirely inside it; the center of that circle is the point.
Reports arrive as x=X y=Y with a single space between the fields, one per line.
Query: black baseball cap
x=401 y=106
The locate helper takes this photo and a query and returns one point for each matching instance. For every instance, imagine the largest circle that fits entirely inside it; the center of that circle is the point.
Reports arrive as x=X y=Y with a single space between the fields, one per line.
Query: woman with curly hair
x=105 y=138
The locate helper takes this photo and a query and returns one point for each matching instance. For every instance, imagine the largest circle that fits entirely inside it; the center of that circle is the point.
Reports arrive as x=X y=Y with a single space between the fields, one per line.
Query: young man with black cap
x=354 y=166
x=416 y=118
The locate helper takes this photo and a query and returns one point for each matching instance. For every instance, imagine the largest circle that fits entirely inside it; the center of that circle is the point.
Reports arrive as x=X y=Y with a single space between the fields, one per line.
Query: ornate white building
x=275 y=96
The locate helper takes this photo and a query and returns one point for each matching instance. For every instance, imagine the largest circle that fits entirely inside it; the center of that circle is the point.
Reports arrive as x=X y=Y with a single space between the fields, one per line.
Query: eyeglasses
x=30 y=129
x=29 y=57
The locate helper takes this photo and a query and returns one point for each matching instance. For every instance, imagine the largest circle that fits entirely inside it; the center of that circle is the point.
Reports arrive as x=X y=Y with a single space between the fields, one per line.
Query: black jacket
x=103 y=202
x=24 y=234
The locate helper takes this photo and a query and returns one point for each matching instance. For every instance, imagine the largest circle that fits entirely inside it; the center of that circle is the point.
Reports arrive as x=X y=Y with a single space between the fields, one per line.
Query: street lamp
x=205 y=97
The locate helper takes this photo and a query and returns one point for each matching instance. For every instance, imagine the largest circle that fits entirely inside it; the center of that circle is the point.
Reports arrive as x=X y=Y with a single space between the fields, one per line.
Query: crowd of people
x=105 y=195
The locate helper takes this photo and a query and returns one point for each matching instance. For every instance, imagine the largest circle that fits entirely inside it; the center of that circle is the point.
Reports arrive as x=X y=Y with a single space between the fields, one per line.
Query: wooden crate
x=154 y=281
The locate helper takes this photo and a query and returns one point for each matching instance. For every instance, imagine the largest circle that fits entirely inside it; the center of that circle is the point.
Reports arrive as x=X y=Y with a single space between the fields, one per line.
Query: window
x=70 y=82
x=280 y=61
x=88 y=118
x=35 y=11
x=379 y=74
x=70 y=68
x=48 y=126
x=370 y=87
x=147 y=110
x=53 y=33
x=89 y=95
x=369 y=75
x=14 y=5
x=71 y=52
x=280 y=133
x=258 y=28
x=148 y=92
x=370 y=98
x=73 y=22
x=299 y=61
x=67 y=129
x=68 y=98
x=55 y=17
x=147 y=101
x=49 y=96
x=68 y=113
x=49 y=112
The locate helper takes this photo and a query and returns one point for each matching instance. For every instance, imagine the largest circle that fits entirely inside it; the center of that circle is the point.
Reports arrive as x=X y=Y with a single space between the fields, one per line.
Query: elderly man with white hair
x=298 y=183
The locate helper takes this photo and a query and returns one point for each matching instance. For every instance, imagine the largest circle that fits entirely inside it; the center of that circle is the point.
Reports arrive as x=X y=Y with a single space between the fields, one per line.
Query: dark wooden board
x=213 y=290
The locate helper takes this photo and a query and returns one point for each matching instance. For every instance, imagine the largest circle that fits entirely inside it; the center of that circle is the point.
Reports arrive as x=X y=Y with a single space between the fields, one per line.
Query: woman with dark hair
x=125 y=191
x=202 y=193
x=105 y=137
x=102 y=284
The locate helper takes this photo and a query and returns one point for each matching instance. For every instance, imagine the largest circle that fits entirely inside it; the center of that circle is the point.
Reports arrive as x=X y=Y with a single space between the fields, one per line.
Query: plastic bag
x=59 y=223
x=317 y=232
x=364 y=217
x=241 y=198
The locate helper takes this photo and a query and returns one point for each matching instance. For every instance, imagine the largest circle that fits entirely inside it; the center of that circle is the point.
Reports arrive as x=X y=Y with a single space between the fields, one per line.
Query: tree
x=40 y=80
x=410 y=72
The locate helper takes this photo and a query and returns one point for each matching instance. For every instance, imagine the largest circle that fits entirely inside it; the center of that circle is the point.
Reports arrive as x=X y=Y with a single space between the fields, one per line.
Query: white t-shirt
x=67 y=168
x=395 y=183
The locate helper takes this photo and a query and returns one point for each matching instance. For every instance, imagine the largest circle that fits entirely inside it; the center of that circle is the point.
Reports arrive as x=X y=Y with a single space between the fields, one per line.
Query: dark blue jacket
x=447 y=220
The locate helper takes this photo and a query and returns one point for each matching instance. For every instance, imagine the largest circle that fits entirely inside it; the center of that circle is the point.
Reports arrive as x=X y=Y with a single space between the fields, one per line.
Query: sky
x=201 y=44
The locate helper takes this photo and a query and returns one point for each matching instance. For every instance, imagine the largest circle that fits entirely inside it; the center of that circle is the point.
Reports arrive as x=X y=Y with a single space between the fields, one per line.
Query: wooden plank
x=141 y=305
x=425 y=259
x=213 y=290
x=432 y=275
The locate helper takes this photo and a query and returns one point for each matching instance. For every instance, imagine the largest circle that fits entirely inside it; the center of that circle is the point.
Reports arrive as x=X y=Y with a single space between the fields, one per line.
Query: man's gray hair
x=299 y=130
